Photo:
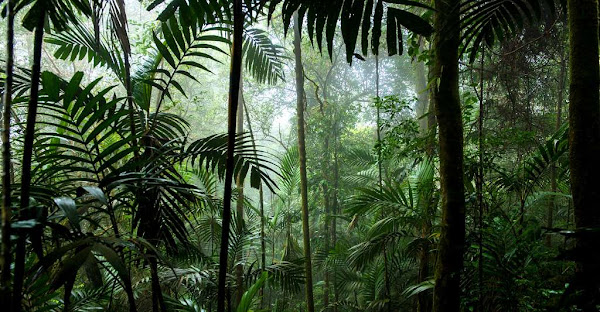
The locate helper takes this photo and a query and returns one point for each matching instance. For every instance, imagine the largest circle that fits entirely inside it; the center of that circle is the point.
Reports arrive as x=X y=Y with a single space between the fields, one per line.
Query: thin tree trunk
x=423 y=298
x=239 y=211
x=6 y=257
x=158 y=302
x=584 y=143
x=479 y=186
x=334 y=208
x=431 y=120
x=310 y=305
x=380 y=183
x=422 y=97
x=24 y=212
x=553 y=184
x=261 y=205
x=325 y=167
x=263 y=251
x=447 y=292
x=234 y=89
x=121 y=30
x=326 y=207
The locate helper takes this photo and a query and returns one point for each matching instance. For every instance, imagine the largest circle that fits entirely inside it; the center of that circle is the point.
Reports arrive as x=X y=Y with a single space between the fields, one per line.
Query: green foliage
x=490 y=20
x=322 y=18
x=249 y=295
x=264 y=60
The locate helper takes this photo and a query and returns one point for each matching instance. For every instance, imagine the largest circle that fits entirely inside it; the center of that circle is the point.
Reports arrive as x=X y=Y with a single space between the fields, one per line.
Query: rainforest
x=300 y=155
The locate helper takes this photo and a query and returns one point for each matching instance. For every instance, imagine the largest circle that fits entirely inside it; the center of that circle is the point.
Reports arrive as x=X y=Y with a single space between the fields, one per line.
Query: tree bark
x=310 y=305
x=584 y=143
x=24 y=212
x=6 y=257
x=234 y=89
x=448 y=112
x=422 y=97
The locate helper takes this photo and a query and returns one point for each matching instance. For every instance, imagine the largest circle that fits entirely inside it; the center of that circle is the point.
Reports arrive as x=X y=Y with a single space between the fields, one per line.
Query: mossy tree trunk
x=448 y=112
x=584 y=143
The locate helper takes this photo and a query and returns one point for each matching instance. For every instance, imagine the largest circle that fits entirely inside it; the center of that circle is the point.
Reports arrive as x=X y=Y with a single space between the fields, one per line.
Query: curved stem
x=234 y=89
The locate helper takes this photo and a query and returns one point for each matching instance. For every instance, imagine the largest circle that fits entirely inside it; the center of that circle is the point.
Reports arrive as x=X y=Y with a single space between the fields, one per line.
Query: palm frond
x=322 y=19
x=210 y=153
x=182 y=45
x=490 y=20
x=264 y=59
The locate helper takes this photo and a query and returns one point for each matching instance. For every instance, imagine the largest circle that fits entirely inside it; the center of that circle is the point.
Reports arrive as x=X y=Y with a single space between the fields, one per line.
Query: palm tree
x=234 y=92
x=24 y=208
x=151 y=197
x=407 y=207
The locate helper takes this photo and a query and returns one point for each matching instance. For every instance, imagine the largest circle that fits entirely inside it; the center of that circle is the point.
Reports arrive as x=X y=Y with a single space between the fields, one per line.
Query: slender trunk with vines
x=310 y=305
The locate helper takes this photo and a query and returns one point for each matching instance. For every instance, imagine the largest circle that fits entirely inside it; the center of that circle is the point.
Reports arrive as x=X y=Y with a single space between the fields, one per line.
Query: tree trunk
x=239 y=211
x=553 y=184
x=431 y=120
x=584 y=142
x=310 y=305
x=261 y=205
x=380 y=184
x=234 y=89
x=6 y=257
x=448 y=112
x=334 y=208
x=263 y=251
x=326 y=207
x=479 y=185
x=422 y=97
x=24 y=212
x=158 y=302
x=422 y=108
